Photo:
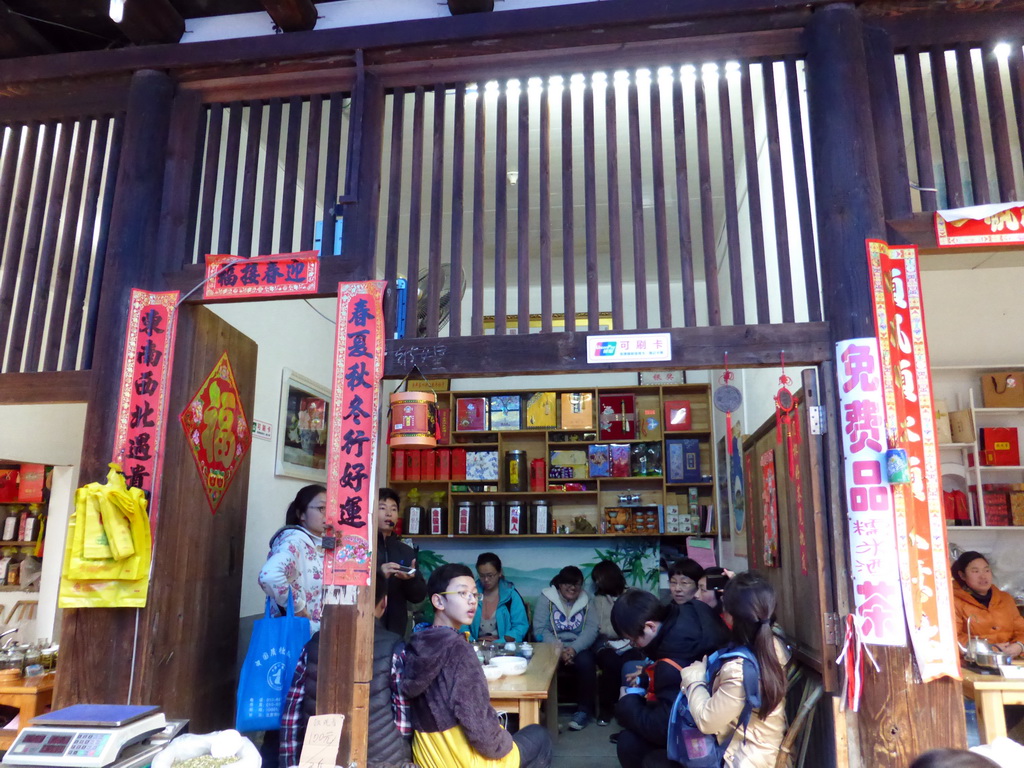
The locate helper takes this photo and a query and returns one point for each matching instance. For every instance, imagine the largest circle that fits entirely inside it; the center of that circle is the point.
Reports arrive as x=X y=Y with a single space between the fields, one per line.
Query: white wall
x=290 y=335
x=46 y=434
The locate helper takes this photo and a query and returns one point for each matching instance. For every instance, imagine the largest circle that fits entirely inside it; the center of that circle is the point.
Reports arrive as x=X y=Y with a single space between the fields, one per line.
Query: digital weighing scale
x=93 y=736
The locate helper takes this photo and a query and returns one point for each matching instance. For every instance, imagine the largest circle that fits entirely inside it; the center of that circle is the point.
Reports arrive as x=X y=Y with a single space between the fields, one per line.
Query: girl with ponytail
x=748 y=608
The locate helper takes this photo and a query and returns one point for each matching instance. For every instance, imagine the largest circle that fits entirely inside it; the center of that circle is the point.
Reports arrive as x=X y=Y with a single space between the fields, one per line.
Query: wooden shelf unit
x=600 y=492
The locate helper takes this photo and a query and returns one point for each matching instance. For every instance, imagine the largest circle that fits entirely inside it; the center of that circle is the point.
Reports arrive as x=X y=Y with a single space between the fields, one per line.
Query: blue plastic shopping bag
x=268 y=669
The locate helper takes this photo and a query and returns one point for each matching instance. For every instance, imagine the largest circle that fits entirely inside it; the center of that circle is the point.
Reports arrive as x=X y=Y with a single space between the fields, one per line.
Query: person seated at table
x=683 y=576
x=992 y=613
x=612 y=651
x=565 y=614
x=454 y=724
x=501 y=614
x=672 y=636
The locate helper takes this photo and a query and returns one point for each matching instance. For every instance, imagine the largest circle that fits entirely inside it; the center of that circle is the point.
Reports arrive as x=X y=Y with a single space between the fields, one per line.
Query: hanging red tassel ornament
x=727 y=399
x=785 y=415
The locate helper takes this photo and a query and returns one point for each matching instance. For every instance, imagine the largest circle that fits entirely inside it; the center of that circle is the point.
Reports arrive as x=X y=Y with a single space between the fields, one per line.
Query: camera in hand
x=717 y=582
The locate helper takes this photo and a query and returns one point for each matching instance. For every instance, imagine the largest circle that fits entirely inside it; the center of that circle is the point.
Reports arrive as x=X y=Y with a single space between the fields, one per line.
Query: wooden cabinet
x=619 y=448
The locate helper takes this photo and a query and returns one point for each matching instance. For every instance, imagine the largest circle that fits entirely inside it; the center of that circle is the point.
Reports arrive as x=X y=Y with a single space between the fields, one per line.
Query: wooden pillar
x=91 y=639
x=899 y=717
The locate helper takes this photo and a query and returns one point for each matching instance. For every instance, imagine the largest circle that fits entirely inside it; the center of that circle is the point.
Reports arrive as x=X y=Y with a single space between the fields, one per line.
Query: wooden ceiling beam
x=19 y=38
x=292 y=15
x=151 y=22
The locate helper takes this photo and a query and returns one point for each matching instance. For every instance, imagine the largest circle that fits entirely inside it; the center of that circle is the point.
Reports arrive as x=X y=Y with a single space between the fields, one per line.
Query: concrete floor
x=588 y=748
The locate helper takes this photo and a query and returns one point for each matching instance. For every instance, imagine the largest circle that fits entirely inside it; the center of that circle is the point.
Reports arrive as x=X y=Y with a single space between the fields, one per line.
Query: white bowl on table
x=491 y=672
x=510 y=665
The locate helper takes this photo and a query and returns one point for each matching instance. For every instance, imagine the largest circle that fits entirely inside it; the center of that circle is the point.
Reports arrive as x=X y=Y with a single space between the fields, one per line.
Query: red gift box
x=444 y=464
x=8 y=485
x=677 y=416
x=413 y=466
x=458 y=463
x=444 y=421
x=428 y=465
x=31 y=482
x=471 y=414
x=398 y=466
x=616 y=415
x=619 y=453
x=999 y=447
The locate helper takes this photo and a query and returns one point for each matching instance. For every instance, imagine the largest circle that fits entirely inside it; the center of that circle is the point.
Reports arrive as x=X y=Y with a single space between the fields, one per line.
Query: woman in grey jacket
x=565 y=614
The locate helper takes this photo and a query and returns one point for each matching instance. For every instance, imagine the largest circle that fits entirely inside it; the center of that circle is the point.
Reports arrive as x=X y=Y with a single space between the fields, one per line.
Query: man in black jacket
x=672 y=636
x=396 y=559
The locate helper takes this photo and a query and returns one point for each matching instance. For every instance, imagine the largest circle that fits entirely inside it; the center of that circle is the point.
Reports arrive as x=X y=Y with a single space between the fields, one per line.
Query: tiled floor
x=588 y=748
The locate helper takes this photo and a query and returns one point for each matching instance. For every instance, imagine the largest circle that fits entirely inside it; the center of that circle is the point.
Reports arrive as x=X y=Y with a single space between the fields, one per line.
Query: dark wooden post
x=91 y=639
x=899 y=717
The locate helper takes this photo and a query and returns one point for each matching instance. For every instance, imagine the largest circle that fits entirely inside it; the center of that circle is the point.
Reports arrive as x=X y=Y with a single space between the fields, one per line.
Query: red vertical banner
x=352 y=439
x=769 y=509
x=909 y=412
x=145 y=391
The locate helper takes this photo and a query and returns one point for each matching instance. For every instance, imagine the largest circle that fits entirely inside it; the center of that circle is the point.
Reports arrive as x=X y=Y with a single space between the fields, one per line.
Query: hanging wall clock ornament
x=727 y=399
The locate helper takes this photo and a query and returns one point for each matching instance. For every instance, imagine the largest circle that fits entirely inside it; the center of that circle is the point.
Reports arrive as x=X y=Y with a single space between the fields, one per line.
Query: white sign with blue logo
x=629 y=348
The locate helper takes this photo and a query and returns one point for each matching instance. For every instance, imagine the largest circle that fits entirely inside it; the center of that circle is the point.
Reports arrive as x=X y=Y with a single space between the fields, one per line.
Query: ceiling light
x=1002 y=51
x=117 y=10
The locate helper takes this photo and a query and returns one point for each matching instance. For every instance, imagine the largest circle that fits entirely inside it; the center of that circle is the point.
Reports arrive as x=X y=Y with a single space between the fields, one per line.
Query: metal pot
x=992 y=659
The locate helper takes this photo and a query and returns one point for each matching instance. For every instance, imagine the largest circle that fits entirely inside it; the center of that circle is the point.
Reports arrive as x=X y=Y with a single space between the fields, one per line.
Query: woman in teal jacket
x=502 y=612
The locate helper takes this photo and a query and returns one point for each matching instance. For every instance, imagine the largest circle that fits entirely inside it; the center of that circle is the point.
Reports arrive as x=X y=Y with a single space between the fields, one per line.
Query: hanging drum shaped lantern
x=413 y=420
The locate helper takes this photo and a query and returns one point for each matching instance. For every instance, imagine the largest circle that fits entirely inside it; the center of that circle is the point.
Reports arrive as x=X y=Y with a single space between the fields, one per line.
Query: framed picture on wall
x=302 y=428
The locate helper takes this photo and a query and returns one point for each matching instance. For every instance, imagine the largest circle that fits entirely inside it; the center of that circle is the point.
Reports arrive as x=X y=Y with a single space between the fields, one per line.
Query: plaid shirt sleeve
x=399 y=704
x=291 y=719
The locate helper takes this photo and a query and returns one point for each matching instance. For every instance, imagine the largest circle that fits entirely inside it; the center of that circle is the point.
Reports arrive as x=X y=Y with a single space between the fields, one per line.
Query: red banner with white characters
x=145 y=389
x=920 y=519
x=352 y=440
x=770 y=509
x=998 y=224
x=217 y=431
x=282 y=274
x=875 y=572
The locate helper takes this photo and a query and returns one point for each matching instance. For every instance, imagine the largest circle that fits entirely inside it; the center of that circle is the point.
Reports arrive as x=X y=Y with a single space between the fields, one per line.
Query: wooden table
x=991 y=693
x=523 y=694
x=32 y=696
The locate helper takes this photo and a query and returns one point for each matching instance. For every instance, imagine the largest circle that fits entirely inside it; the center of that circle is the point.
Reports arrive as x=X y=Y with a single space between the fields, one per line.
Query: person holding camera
x=398 y=565
x=711 y=585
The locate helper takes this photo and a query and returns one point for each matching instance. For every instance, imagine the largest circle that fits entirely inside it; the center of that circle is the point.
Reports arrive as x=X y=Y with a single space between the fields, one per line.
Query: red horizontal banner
x=283 y=274
x=1005 y=227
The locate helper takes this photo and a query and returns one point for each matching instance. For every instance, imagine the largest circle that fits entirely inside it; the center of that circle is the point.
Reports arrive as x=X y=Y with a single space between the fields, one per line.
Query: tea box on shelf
x=504 y=412
x=677 y=416
x=471 y=414
x=577 y=410
x=541 y=411
x=617 y=417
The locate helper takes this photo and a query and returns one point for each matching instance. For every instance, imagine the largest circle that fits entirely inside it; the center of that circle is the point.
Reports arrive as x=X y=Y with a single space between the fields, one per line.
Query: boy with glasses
x=454 y=725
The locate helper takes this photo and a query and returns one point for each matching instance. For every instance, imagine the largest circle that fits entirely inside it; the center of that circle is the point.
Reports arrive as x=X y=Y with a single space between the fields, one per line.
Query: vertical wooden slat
x=331 y=176
x=51 y=228
x=803 y=194
x=286 y=239
x=501 y=212
x=637 y=196
x=14 y=237
x=947 y=130
x=778 y=193
x=754 y=198
x=415 y=210
x=436 y=211
x=732 y=224
x=394 y=195
x=211 y=166
x=65 y=251
x=103 y=228
x=544 y=193
x=590 y=203
x=32 y=256
x=229 y=180
x=73 y=343
x=270 y=205
x=919 y=125
x=1017 y=89
x=8 y=167
x=660 y=213
x=568 y=217
x=479 y=176
x=611 y=138
x=176 y=236
x=249 y=173
x=683 y=208
x=707 y=209
x=458 y=210
x=523 y=218
x=311 y=174
x=972 y=125
x=1007 y=184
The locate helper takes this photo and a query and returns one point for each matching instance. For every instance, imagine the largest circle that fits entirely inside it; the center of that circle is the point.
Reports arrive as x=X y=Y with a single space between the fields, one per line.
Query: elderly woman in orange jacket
x=993 y=613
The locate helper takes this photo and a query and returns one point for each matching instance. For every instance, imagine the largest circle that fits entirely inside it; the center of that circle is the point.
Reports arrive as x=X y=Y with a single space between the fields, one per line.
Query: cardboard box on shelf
x=999 y=447
x=961 y=424
x=648 y=417
x=568 y=465
x=599 y=460
x=619 y=456
x=1017 y=507
x=413 y=466
x=577 y=410
x=398 y=465
x=471 y=414
x=616 y=417
x=444 y=464
x=678 y=417
x=458 y=463
x=541 y=411
x=504 y=412
x=943 y=430
x=1003 y=389
x=428 y=465
x=683 y=461
x=444 y=421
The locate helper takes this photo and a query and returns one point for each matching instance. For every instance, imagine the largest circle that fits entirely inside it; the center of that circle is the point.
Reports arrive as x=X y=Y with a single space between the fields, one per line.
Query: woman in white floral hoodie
x=296 y=559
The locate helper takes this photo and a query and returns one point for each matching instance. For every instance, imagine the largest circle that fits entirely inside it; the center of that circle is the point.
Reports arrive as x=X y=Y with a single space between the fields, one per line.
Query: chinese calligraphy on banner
x=282 y=274
x=920 y=521
x=145 y=386
x=217 y=431
x=998 y=224
x=873 y=553
x=352 y=440
x=770 y=509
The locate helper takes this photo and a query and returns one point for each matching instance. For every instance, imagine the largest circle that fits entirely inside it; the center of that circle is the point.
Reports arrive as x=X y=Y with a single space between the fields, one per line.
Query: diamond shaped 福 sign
x=217 y=431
